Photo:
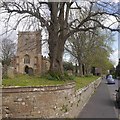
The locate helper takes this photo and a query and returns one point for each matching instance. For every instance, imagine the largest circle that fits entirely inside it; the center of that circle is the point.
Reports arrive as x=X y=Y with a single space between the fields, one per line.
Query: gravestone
x=0 y=91
x=30 y=71
x=10 y=72
x=4 y=70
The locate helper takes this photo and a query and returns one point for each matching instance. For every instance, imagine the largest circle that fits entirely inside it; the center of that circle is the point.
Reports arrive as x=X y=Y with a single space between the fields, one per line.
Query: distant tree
x=8 y=51
x=90 y=49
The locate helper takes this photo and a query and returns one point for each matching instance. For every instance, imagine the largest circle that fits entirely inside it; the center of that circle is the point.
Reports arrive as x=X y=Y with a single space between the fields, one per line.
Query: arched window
x=27 y=59
x=36 y=60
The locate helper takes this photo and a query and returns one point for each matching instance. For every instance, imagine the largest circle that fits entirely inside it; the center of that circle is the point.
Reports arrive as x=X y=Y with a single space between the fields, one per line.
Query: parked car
x=118 y=96
x=110 y=79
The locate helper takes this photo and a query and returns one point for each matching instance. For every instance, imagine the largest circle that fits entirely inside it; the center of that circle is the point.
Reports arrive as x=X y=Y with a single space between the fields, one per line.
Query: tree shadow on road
x=117 y=106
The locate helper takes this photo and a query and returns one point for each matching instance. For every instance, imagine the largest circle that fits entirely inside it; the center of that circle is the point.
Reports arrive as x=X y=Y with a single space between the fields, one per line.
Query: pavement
x=101 y=104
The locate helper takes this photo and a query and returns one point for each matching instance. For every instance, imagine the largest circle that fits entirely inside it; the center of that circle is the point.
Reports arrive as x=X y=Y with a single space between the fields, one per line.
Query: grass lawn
x=26 y=80
x=84 y=81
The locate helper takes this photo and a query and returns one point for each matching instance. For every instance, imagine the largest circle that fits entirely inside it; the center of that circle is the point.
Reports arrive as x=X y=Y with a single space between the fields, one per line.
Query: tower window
x=27 y=59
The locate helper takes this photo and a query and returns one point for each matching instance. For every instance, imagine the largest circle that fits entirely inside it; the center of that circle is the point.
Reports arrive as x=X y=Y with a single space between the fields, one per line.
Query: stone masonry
x=29 y=56
x=61 y=101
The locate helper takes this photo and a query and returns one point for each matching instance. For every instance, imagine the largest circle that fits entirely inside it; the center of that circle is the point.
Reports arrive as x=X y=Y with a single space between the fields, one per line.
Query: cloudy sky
x=116 y=46
x=115 y=1
x=114 y=55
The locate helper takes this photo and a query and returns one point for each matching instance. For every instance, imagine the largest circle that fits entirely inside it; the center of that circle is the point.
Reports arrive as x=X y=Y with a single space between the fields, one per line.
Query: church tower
x=28 y=59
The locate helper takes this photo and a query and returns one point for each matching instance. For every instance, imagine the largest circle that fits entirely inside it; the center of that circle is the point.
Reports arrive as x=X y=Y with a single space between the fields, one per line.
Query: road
x=102 y=103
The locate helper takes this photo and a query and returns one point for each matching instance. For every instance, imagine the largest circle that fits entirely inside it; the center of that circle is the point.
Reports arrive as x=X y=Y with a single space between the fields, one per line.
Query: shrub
x=58 y=76
x=68 y=66
x=5 y=76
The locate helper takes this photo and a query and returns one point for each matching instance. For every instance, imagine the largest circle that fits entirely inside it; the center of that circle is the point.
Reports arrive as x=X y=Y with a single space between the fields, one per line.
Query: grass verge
x=84 y=81
x=26 y=80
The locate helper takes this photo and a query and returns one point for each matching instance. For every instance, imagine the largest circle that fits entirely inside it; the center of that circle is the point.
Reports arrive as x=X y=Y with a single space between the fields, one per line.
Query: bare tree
x=8 y=51
x=54 y=16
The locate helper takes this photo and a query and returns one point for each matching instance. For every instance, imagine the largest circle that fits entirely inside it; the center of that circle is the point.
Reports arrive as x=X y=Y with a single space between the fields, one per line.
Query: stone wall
x=61 y=101
x=0 y=91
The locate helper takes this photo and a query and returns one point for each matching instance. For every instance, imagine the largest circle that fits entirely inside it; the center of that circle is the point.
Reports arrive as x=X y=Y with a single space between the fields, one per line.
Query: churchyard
x=26 y=80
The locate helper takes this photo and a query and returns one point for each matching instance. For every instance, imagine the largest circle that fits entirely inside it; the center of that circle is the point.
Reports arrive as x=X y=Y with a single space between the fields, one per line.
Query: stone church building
x=29 y=59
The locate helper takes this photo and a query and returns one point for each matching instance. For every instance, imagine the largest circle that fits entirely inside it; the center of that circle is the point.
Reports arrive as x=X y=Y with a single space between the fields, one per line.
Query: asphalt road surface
x=102 y=103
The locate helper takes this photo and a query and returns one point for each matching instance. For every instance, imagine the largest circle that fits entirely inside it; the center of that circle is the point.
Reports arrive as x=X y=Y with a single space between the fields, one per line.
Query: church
x=29 y=59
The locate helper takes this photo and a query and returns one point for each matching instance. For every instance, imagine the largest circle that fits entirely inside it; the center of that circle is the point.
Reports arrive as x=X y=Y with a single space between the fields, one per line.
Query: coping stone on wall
x=18 y=89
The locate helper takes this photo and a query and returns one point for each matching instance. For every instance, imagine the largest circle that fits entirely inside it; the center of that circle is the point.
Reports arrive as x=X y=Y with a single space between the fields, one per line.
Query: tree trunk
x=80 y=69
x=83 y=68
x=76 y=69
x=57 y=38
x=87 y=69
x=56 y=49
